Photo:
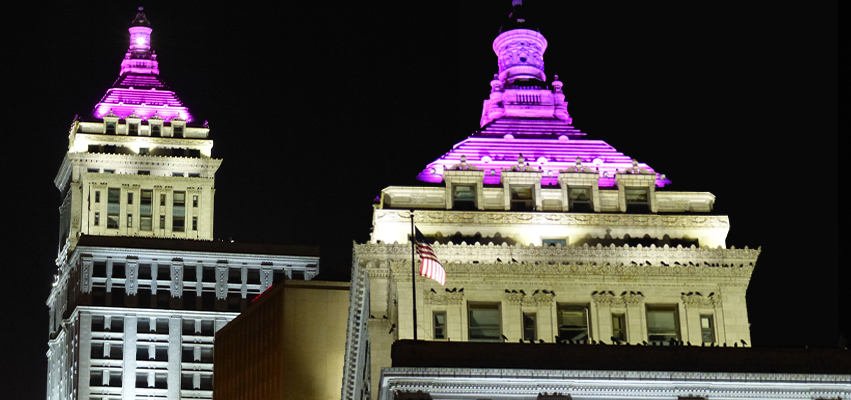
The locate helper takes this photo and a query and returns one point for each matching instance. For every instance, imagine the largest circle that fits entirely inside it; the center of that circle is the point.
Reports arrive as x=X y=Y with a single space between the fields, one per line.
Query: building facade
x=547 y=237
x=288 y=345
x=141 y=287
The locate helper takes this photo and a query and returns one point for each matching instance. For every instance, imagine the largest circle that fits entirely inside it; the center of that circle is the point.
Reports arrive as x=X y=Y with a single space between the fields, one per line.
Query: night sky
x=317 y=106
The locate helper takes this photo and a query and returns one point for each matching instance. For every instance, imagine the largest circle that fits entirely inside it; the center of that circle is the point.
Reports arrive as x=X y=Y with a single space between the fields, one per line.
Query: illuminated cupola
x=138 y=90
x=527 y=116
x=520 y=49
x=140 y=167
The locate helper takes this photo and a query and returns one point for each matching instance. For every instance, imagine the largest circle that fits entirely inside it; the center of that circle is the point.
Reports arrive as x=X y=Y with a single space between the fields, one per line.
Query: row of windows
x=133 y=129
x=144 y=172
x=574 y=324
x=523 y=198
x=146 y=209
x=152 y=379
x=163 y=299
x=190 y=273
x=100 y=323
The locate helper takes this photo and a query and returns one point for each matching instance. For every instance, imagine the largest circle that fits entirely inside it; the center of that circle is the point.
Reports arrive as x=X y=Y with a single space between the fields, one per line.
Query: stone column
x=128 y=378
x=174 y=355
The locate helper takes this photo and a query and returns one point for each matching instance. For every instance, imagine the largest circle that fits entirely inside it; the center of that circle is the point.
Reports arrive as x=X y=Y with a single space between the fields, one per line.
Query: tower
x=141 y=286
x=546 y=236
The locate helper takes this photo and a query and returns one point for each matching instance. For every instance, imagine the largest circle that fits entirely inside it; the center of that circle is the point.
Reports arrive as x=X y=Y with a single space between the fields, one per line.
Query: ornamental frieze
x=536 y=299
x=697 y=300
x=401 y=270
x=625 y=299
x=434 y=298
x=501 y=217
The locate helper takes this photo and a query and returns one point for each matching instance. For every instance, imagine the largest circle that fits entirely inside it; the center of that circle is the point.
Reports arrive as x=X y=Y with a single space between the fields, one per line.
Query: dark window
x=194 y=200
x=132 y=129
x=189 y=273
x=113 y=207
x=440 y=325
x=96 y=378
x=253 y=276
x=162 y=221
x=188 y=353
x=155 y=129
x=206 y=382
x=485 y=322
x=142 y=352
x=144 y=151
x=97 y=219
x=129 y=220
x=579 y=199
x=116 y=324
x=619 y=327
x=186 y=381
x=234 y=275
x=637 y=200
x=207 y=354
x=144 y=172
x=97 y=352
x=162 y=200
x=707 y=329
x=110 y=128
x=554 y=242
x=522 y=198
x=97 y=324
x=162 y=325
x=144 y=271
x=208 y=326
x=115 y=378
x=464 y=197
x=194 y=223
x=530 y=329
x=97 y=196
x=573 y=322
x=178 y=131
x=188 y=326
x=143 y=325
x=99 y=270
x=209 y=274
x=141 y=379
x=129 y=198
x=662 y=324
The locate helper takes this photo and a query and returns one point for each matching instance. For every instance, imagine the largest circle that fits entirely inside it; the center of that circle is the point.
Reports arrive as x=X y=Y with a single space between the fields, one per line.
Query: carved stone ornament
x=636 y=170
x=463 y=166
x=579 y=167
x=541 y=261
x=696 y=300
x=85 y=275
x=222 y=282
x=443 y=298
x=521 y=166
x=502 y=218
x=176 y=279
x=267 y=278
x=132 y=283
x=624 y=300
x=537 y=299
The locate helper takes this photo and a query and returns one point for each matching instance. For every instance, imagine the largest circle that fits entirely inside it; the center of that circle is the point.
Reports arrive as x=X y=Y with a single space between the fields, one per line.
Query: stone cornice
x=146 y=255
x=691 y=260
x=518 y=382
x=402 y=270
x=152 y=140
x=545 y=218
x=145 y=160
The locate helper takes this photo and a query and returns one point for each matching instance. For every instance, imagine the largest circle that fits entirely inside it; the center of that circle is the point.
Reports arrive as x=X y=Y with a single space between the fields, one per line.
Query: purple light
x=138 y=91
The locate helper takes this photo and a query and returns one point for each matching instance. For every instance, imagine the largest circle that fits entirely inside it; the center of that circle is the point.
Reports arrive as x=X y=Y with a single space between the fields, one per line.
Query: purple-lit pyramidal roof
x=138 y=90
x=525 y=117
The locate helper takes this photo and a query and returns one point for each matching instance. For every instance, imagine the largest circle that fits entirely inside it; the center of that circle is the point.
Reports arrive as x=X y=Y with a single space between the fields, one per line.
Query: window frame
x=707 y=330
x=439 y=331
x=663 y=337
x=587 y=205
x=563 y=329
x=515 y=203
x=530 y=317
x=475 y=306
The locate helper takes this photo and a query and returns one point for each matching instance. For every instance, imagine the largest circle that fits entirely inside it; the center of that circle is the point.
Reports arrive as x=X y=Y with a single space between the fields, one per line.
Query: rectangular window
x=162 y=200
x=440 y=325
x=194 y=175
x=662 y=324
x=115 y=378
x=579 y=199
x=178 y=131
x=97 y=196
x=573 y=322
x=178 y=211
x=195 y=200
x=96 y=378
x=485 y=322
x=155 y=129
x=619 y=327
x=464 y=197
x=112 y=207
x=194 y=223
x=162 y=221
x=530 y=329
x=92 y=170
x=129 y=198
x=110 y=128
x=554 y=242
x=145 y=210
x=521 y=198
x=637 y=200
x=132 y=129
x=143 y=172
x=97 y=219
x=144 y=151
x=129 y=220
x=109 y=171
x=707 y=329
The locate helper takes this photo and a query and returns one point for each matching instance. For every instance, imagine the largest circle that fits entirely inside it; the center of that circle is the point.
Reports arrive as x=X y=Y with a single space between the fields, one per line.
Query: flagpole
x=414 y=273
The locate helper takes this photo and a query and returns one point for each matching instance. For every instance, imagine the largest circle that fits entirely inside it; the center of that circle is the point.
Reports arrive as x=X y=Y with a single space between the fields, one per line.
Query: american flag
x=431 y=267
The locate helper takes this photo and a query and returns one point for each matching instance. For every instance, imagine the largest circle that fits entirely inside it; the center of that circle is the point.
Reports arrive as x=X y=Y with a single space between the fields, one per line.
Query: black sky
x=317 y=106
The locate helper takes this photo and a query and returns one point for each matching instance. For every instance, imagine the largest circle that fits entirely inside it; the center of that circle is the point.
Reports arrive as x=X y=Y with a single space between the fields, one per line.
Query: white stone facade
x=141 y=287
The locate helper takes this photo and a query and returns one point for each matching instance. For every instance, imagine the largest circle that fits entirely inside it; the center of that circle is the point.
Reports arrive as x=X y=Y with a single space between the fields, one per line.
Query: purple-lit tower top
x=138 y=91
x=527 y=117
